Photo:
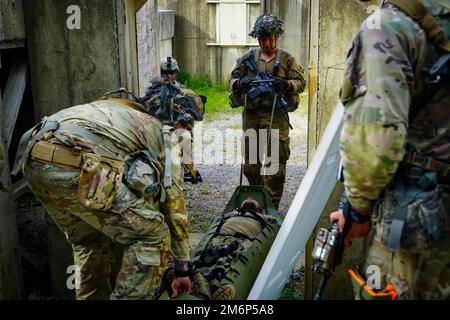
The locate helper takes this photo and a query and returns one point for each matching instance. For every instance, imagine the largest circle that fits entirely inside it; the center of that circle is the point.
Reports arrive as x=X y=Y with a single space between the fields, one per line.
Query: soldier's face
x=168 y=76
x=268 y=45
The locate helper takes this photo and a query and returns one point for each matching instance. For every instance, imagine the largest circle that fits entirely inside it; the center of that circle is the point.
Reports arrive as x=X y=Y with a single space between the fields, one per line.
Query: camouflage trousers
x=131 y=222
x=414 y=275
x=273 y=182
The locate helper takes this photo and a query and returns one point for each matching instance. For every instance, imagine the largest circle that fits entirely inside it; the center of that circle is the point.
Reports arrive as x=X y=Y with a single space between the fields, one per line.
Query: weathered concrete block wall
x=339 y=20
x=69 y=67
x=195 y=27
x=11 y=20
x=148 y=44
x=333 y=24
x=295 y=15
x=166 y=21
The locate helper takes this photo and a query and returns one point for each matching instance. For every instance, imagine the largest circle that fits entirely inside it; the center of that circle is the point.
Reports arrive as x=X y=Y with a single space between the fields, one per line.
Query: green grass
x=217 y=94
x=205 y=190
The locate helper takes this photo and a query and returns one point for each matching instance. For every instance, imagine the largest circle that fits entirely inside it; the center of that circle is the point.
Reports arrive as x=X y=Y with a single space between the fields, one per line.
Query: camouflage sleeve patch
x=235 y=97
x=377 y=96
x=296 y=75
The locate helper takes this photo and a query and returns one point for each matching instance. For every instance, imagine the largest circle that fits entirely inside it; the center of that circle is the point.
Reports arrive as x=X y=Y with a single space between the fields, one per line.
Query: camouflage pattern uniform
x=149 y=229
x=383 y=80
x=257 y=115
x=177 y=90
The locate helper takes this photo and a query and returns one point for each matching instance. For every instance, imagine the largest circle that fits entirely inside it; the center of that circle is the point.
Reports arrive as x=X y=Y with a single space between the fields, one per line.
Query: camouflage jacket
x=130 y=130
x=178 y=90
x=383 y=80
x=289 y=70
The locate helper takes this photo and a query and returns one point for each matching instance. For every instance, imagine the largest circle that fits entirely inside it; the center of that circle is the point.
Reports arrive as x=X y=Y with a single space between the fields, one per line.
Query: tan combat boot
x=225 y=292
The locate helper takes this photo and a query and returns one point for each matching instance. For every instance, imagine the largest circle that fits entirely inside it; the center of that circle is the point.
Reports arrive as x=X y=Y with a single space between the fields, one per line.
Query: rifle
x=263 y=85
x=329 y=249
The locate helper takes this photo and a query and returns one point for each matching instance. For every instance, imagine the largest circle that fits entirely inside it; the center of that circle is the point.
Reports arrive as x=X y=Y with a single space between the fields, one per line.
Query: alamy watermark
x=73 y=21
x=226 y=147
x=74 y=279
x=373 y=274
x=374 y=20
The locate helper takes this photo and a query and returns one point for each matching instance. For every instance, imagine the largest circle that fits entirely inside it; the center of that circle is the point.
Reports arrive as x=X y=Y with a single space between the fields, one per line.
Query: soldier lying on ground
x=233 y=237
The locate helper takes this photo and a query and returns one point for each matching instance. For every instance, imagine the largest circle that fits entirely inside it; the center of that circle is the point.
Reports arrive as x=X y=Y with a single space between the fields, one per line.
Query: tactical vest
x=436 y=84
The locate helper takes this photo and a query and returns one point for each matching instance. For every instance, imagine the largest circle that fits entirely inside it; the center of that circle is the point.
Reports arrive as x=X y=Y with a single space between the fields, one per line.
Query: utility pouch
x=364 y=292
x=236 y=99
x=99 y=180
x=413 y=215
x=142 y=176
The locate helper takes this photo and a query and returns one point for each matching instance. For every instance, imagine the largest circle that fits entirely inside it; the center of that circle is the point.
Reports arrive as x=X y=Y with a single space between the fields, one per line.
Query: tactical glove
x=281 y=85
x=244 y=84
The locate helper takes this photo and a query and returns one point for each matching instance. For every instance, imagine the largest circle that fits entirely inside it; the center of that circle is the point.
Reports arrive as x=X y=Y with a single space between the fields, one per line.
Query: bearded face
x=268 y=45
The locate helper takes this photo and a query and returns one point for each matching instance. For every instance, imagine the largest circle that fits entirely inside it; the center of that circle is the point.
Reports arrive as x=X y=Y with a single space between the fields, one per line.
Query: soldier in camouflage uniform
x=231 y=240
x=395 y=148
x=98 y=170
x=166 y=91
x=169 y=70
x=257 y=114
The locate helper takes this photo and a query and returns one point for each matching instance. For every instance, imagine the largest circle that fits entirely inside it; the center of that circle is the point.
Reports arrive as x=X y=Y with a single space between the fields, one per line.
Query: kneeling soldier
x=107 y=172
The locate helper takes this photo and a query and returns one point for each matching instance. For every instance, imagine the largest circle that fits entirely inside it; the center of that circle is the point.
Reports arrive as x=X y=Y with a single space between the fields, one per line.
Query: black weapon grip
x=346 y=209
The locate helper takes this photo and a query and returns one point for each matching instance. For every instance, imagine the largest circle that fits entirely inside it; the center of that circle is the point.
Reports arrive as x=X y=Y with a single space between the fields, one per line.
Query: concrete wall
x=11 y=20
x=148 y=47
x=166 y=21
x=69 y=67
x=333 y=24
x=295 y=15
x=338 y=21
x=195 y=27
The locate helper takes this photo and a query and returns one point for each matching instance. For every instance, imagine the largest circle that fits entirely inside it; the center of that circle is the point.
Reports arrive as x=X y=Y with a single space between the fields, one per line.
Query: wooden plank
x=11 y=282
x=138 y=4
x=20 y=188
x=15 y=88
x=12 y=44
x=32 y=260
x=11 y=22
x=126 y=23
x=305 y=211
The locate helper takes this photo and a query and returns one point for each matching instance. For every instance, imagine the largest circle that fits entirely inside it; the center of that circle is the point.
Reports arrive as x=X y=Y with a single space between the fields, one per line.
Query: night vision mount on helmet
x=169 y=64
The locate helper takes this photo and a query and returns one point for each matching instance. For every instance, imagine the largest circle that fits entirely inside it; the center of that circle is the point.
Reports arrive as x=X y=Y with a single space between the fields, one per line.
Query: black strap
x=26 y=142
x=255 y=215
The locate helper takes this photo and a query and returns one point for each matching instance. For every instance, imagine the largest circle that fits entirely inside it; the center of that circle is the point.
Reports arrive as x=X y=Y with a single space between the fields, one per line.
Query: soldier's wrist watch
x=360 y=218
x=183 y=269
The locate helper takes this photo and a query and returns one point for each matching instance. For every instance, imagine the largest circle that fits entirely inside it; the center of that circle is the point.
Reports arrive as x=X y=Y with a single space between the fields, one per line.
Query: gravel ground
x=220 y=179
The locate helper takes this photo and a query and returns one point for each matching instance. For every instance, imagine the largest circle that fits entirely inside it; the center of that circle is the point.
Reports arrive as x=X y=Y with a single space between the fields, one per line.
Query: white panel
x=233 y=23
x=305 y=211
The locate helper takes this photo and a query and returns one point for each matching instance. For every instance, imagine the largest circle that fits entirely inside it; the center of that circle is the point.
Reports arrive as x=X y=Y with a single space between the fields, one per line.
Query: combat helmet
x=267 y=25
x=169 y=64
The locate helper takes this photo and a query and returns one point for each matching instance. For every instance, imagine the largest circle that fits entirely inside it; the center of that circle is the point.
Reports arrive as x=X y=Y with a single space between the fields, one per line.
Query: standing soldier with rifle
x=258 y=84
x=395 y=147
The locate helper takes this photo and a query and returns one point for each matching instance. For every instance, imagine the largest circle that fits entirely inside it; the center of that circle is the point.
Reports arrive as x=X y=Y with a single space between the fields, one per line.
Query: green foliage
x=194 y=83
x=217 y=95
x=205 y=190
